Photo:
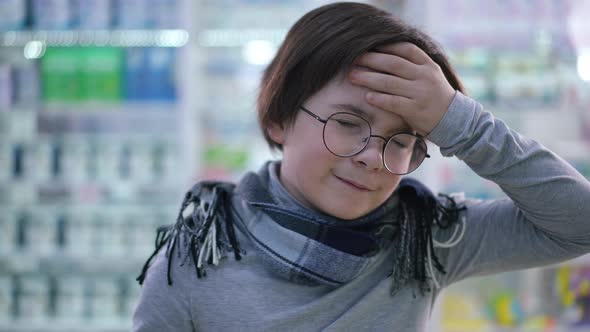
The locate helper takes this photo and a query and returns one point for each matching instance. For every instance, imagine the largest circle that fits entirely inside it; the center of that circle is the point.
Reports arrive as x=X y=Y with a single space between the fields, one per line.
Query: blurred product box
x=47 y=160
x=26 y=85
x=164 y=14
x=162 y=76
x=164 y=159
x=7 y=231
x=150 y=74
x=74 y=160
x=101 y=75
x=131 y=297
x=40 y=232
x=32 y=298
x=22 y=126
x=75 y=74
x=53 y=14
x=5 y=160
x=78 y=233
x=23 y=161
x=131 y=14
x=61 y=224
x=5 y=298
x=142 y=233
x=94 y=14
x=6 y=87
x=70 y=298
x=20 y=159
x=135 y=74
x=101 y=234
x=12 y=15
x=125 y=238
x=61 y=74
x=5 y=120
x=141 y=161
x=108 y=160
x=124 y=161
x=104 y=299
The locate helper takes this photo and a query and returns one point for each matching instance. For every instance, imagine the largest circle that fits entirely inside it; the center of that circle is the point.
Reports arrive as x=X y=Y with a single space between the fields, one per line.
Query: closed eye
x=399 y=143
x=347 y=124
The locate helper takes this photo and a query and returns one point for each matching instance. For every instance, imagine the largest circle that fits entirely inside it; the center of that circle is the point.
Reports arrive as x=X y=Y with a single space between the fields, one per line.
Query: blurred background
x=110 y=110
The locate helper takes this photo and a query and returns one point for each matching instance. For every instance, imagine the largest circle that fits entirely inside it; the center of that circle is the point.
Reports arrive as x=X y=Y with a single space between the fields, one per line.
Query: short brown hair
x=324 y=43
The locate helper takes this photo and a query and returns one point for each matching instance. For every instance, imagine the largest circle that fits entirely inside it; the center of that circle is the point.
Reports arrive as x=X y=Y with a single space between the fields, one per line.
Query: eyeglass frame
x=324 y=121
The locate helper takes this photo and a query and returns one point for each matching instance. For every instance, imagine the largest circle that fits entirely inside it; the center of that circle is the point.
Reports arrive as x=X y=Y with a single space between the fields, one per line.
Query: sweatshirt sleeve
x=162 y=307
x=545 y=217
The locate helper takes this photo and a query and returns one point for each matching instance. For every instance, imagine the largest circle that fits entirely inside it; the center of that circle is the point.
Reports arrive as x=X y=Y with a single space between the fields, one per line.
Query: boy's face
x=346 y=188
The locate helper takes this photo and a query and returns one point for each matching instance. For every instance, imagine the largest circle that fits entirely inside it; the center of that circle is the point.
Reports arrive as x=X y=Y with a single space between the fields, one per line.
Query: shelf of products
x=93 y=118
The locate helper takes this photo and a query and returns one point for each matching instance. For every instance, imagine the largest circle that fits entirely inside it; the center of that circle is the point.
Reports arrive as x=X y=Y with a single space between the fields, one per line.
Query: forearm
x=550 y=192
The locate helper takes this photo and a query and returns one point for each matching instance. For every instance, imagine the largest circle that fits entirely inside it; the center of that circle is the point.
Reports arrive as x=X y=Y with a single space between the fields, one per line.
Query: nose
x=372 y=155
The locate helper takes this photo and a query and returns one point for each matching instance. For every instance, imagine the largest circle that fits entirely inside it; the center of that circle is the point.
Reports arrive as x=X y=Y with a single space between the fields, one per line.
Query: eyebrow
x=354 y=109
x=369 y=117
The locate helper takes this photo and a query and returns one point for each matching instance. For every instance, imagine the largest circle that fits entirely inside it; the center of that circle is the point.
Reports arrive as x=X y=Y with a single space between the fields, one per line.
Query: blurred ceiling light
x=584 y=65
x=258 y=52
x=34 y=49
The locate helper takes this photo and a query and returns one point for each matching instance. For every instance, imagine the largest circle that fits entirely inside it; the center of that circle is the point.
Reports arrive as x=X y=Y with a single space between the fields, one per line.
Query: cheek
x=390 y=182
x=312 y=157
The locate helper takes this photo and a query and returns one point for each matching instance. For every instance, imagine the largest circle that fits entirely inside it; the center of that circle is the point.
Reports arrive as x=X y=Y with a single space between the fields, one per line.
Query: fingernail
x=371 y=96
x=353 y=75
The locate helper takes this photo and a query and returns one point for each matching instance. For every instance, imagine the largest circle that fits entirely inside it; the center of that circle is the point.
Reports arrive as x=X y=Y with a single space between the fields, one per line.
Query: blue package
x=135 y=74
x=12 y=15
x=94 y=14
x=18 y=161
x=162 y=74
x=53 y=14
x=164 y=14
x=130 y=14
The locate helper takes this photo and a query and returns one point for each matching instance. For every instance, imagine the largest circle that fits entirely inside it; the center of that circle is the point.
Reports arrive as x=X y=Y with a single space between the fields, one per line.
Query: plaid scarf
x=307 y=248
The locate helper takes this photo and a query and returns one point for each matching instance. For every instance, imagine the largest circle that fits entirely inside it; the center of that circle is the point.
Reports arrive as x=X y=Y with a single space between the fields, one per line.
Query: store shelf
x=113 y=38
x=66 y=263
x=139 y=38
x=55 y=326
x=239 y=37
x=99 y=117
x=60 y=263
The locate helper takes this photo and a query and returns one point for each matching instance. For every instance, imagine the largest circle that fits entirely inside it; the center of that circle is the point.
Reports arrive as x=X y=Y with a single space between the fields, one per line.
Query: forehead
x=340 y=95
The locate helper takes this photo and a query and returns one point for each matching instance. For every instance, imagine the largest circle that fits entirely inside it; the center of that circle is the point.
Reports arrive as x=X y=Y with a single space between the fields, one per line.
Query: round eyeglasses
x=346 y=135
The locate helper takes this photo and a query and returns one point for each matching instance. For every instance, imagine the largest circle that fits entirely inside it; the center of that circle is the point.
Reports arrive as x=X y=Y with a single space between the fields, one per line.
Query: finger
x=407 y=51
x=395 y=104
x=382 y=82
x=389 y=63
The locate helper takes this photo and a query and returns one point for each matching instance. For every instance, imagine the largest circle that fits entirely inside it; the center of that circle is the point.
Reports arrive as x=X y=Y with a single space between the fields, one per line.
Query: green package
x=102 y=74
x=61 y=75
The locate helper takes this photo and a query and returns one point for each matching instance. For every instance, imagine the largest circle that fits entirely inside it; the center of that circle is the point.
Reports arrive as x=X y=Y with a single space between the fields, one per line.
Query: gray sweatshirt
x=543 y=220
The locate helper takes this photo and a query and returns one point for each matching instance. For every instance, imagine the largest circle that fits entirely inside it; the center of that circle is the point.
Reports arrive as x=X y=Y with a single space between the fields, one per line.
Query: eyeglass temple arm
x=313 y=115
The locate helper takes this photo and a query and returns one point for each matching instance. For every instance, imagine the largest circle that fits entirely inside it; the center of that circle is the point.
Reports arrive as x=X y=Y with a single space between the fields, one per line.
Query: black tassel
x=201 y=234
x=419 y=212
x=162 y=235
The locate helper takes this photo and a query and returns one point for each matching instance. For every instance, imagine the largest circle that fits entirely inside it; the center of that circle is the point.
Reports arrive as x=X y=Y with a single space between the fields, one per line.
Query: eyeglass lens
x=347 y=134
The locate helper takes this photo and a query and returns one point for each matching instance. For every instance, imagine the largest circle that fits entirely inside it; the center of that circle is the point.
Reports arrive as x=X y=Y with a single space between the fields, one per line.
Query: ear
x=276 y=133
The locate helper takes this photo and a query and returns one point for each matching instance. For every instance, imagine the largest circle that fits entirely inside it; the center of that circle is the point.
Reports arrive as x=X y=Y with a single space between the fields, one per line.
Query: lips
x=354 y=184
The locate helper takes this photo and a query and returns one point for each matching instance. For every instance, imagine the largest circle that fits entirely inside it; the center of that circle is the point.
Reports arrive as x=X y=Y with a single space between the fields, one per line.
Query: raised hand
x=404 y=80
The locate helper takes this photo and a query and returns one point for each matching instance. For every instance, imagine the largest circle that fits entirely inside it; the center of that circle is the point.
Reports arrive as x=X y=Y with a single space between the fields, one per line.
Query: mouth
x=354 y=185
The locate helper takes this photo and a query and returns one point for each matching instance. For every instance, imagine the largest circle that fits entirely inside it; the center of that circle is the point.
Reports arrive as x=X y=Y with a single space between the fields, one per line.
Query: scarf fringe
x=206 y=232
x=419 y=212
